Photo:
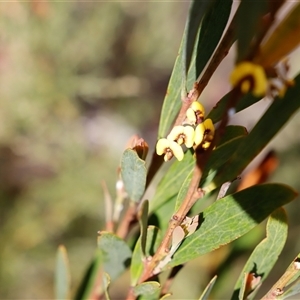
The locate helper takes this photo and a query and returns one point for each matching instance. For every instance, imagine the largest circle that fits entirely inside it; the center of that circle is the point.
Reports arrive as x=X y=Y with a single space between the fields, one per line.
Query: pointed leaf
x=280 y=111
x=211 y=30
x=133 y=172
x=62 y=274
x=266 y=254
x=91 y=285
x=231 y=217
x=137 y=262
x=206 y=292
x=147 y=290
x=116 y=254
x=172 y=101
x=284 y=39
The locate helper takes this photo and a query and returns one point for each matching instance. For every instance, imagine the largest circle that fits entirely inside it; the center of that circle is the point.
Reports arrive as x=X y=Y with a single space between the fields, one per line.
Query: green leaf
x=147 y=290
x=89 y=287
x=62 y=274
x=133 y=172
x=172 y=101
x=152 y=243
x=183 y=190
x=231 y=217
x=211 y=30
x=266 y=254
x=116 y=254
x=280 y=111
x=196 y=14
x=206 y=292
x=248 y=24
x=172 y=180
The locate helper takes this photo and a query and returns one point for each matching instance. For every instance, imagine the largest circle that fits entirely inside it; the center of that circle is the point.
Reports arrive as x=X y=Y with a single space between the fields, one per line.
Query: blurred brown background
x=77 y=79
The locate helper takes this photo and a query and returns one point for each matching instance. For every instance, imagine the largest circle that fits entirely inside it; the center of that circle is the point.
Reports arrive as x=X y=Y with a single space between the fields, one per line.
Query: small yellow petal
x=189 y=133
x=199 y=134
x=197 y=107
x=191 y=116
x=162 y=145
x=175 y=133
x=177 y=150
x=209 y=127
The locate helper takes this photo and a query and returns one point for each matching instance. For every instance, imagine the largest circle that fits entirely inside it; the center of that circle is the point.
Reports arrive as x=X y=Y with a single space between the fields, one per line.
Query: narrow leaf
x=172 y=101
x=137 y=262
x=211 y=30
x=280 y=111
x=265 y=255
x=206 y=292
x=91 y=285
x=133 y=172
x=183 y=190
x=62 y=274
x=116 y=254
x=231 y=217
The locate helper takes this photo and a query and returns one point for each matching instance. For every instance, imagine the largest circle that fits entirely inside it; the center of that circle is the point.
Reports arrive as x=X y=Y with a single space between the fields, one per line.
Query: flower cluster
x=194 y=132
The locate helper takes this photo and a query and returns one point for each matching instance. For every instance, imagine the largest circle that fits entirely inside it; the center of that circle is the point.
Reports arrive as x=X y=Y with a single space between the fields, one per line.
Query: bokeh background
x=77 y=79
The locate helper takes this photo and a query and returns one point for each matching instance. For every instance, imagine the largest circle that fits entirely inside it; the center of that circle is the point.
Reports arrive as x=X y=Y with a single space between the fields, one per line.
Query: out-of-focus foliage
x=69 y=71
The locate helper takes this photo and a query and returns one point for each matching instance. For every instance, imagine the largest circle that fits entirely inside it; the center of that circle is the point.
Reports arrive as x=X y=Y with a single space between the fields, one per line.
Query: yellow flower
x=169 y=148
x=195 y=113
x=204 y=133
x=182 y=135
x=250 y=76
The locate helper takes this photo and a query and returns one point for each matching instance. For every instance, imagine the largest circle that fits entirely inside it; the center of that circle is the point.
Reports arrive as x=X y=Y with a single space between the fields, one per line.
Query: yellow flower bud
x=199 y=134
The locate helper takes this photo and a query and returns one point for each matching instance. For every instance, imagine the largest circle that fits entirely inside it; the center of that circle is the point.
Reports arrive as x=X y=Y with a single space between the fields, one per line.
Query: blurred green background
x=77 y=79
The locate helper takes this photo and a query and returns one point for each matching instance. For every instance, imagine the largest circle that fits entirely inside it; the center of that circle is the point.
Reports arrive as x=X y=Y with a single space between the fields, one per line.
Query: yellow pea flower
x=204 y=133
x=250 y=76
x=169 y=149
x=182 y=135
